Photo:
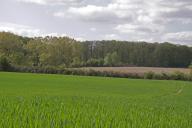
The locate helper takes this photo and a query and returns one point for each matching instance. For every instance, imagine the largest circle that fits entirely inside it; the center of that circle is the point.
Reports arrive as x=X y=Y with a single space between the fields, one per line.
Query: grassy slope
x=57 y=100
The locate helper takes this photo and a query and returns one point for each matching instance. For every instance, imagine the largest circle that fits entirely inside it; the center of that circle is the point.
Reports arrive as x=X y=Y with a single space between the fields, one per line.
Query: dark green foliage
x=95 y=62
x=149 y=75
x=4 y=64
x=112 y=59
x=138 y=53
x=66 y=52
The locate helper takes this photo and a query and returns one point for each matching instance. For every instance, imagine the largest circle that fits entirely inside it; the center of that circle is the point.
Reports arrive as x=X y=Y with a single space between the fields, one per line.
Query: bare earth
x=139 y=70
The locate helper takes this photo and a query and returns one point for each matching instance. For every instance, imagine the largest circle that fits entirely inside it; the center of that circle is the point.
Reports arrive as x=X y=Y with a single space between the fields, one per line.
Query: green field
x=56 y=101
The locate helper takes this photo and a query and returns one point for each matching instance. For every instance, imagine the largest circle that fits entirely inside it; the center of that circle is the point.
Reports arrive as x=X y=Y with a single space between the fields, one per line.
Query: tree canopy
x=67 y=52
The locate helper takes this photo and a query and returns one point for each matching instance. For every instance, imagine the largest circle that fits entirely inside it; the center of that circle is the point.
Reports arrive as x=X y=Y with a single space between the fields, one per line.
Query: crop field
x=139 y=70
x=57 y=101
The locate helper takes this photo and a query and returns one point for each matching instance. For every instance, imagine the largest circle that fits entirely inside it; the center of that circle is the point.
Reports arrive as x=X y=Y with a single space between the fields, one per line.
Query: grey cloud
x=180 y=13
x=95 y=13
x=130 y=11
x=149 y=20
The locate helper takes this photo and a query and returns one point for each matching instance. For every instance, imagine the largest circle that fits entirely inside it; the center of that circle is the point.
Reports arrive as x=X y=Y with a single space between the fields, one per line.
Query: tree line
x=66 y=52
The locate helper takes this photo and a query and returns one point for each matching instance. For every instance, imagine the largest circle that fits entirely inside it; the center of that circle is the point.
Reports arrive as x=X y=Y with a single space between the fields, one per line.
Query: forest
x=65 y=52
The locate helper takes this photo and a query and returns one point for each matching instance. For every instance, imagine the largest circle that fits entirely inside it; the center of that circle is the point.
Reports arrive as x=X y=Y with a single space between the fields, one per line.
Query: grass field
x=139 y=70
x=56 y=101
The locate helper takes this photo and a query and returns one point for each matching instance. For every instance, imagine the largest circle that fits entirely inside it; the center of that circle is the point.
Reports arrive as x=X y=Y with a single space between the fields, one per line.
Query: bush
x=4 y=64
x=95 y=62
x=190 y=68
x=90 y=72
x=76 y=62
x=158 y=76
x=178 y=76
x=165 y=76
x=149 y=75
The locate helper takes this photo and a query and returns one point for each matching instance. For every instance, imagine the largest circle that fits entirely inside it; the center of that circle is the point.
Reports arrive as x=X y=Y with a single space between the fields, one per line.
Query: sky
x=132 y=20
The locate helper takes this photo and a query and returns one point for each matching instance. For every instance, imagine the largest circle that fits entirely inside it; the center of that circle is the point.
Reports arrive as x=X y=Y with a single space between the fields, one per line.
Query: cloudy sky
x=138 y=20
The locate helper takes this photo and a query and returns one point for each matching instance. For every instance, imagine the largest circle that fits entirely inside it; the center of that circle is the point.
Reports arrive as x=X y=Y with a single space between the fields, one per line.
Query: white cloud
x=139 y=28
x=86 y=11
x=62 y=35
x=54 y=35
x=179 y=37
x=19 y=29
x=41 y=2
x=53 y=2
x=60 y=14
x=80 y=39
x=111 y=37
x=93 y=29
x=28 y=31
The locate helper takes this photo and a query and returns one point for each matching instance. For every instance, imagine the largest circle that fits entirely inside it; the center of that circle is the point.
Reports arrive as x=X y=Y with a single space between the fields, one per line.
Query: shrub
x=149 y=75
x=165 y=76
x=76 y=62
x=91 y=72
x=190 y=68
x=95 y=62
x=4 y=64
x=158 y=76
x=178 y=76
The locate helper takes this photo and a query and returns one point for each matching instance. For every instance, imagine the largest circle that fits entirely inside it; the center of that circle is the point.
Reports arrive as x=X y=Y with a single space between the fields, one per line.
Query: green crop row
x=82 y=112
x=58 y=101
